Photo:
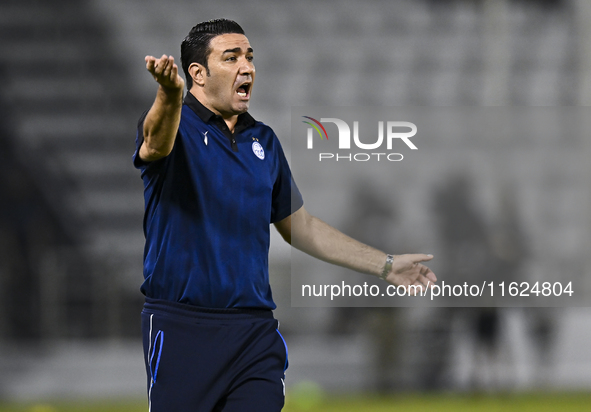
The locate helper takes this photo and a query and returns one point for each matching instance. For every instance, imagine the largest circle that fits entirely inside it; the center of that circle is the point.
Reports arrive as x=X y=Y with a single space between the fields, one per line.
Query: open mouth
x=243 y=89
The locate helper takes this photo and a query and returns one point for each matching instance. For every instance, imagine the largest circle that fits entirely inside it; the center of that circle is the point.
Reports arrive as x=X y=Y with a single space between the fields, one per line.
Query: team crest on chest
x=257 y=149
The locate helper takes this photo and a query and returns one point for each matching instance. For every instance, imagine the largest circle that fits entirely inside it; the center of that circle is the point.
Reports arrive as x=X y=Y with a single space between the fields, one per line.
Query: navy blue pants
x=212 y=360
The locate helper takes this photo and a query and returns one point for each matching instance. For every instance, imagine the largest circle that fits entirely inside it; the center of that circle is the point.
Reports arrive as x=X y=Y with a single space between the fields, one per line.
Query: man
x=215 y=179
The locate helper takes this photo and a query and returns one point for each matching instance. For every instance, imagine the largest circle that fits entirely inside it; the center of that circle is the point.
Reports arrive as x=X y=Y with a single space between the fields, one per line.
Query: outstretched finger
x=150 y=63
x=420 y=257
x=425 y=281
x=174 y=72
x=161 y=65
x=431 y=276
x=428 y=274
x=168 y=68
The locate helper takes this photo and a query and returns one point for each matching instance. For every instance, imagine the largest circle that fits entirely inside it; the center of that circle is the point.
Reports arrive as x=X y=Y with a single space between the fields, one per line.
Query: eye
x=231 y=59
x=250 y=58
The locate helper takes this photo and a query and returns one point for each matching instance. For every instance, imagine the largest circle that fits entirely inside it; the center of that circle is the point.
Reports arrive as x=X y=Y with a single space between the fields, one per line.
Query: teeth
x=241 y=94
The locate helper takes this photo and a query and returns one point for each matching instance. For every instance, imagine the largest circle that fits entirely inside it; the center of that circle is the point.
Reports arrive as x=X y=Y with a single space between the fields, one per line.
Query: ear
x=198 y=73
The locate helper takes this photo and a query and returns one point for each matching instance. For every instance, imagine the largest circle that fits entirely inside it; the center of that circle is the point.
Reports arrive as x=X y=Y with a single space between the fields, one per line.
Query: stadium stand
x=73 y=114
x=75 y=83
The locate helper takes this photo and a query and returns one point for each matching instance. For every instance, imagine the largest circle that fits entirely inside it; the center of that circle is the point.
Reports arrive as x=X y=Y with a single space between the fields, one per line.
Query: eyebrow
x=237 y=50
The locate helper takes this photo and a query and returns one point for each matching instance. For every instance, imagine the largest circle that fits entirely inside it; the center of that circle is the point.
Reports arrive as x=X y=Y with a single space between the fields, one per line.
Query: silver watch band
x=387 y=267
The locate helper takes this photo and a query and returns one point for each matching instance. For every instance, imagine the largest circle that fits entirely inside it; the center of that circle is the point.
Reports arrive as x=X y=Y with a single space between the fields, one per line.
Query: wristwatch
x=387 y=267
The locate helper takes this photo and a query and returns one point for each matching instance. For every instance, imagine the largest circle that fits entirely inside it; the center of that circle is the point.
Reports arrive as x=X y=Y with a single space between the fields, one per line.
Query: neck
x=229 y=118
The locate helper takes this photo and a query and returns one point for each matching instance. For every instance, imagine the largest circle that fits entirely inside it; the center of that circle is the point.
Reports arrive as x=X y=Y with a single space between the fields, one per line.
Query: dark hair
x=195 y=48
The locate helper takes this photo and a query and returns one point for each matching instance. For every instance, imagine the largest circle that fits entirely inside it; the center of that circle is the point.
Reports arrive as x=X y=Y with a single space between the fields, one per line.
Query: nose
x=247 y=67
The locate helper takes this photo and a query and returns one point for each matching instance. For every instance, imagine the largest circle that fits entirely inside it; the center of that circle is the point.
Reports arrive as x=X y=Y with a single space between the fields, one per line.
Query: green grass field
x=401 y=403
